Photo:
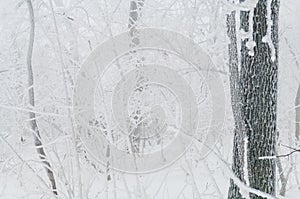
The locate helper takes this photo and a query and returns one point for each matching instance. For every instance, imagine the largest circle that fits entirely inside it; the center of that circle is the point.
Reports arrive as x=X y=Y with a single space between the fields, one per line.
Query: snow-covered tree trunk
x=32 y=116
x=134 y=16
x=257 y=87
x=238 y=143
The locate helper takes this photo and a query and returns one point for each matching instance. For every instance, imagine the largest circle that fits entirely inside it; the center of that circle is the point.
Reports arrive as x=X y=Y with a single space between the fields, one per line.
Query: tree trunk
x=238 y=143
x=134 y=15
x=33 y=123
x=258 y=97
x=297 y=109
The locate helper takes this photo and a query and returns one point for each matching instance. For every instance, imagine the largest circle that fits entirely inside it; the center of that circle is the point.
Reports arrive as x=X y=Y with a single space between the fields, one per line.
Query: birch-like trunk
x=33 y=123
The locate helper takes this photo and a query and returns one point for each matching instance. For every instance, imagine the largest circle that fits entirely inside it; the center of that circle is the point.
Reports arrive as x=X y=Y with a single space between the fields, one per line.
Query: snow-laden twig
x=244 y=187
x=194 y=184
x=63 y=175
x=26 y=164
x=31 y=110
x=67 y=97
x=283 y=178
x=245 y=190
x=220 y=196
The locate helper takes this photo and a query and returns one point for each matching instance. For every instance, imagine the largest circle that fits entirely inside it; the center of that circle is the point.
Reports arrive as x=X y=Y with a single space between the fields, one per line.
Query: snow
x=268 y=37
x=267 y=157
x=21 y=173
x=239 y=6
x=245 y=169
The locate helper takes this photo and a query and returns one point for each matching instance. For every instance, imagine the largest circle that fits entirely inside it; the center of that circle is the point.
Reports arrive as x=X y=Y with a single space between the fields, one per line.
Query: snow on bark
x=268 y=37
x=246 y=175
x=32 y=116
x=250 y=43
x=258 y=98
x=259 y=84
x=238 y=153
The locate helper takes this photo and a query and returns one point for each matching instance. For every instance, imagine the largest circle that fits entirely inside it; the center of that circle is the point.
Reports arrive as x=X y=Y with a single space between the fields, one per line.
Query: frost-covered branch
x=283 y=177
x=241 y=5
x=245 y=190
x=32 y=116
x=23 y=161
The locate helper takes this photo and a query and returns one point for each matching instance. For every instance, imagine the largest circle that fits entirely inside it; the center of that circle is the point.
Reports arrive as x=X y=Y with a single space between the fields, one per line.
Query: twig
x=24 y=162
x=63 y=69
x=290 y=153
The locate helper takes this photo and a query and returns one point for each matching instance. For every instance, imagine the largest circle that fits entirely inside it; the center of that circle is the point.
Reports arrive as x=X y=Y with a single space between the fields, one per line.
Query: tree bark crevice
x=256 y=93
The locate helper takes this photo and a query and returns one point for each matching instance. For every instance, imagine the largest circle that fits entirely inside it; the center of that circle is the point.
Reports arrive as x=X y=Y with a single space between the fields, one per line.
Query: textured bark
x=33 y=123
x=259 y=81
x=238 y=143
x=258 y=96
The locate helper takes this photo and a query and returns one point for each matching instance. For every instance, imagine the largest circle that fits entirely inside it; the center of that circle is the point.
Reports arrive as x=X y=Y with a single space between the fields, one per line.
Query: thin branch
x=294 y=150
x=64 y=72
x=288 y=154
x=283 y=178
x=24 y=162
x=245 y=188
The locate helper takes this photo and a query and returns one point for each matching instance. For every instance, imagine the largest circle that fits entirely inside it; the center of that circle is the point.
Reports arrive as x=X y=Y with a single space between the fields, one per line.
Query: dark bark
x=238 y=143
x=259 y=81
x=258 y=96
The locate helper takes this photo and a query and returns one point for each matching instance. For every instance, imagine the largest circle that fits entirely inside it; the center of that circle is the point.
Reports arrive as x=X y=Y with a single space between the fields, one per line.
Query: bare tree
x=254 y=98
x=32 y=116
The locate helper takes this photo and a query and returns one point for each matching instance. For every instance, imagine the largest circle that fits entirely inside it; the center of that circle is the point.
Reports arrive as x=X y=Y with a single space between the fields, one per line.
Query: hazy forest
x=148 y=99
